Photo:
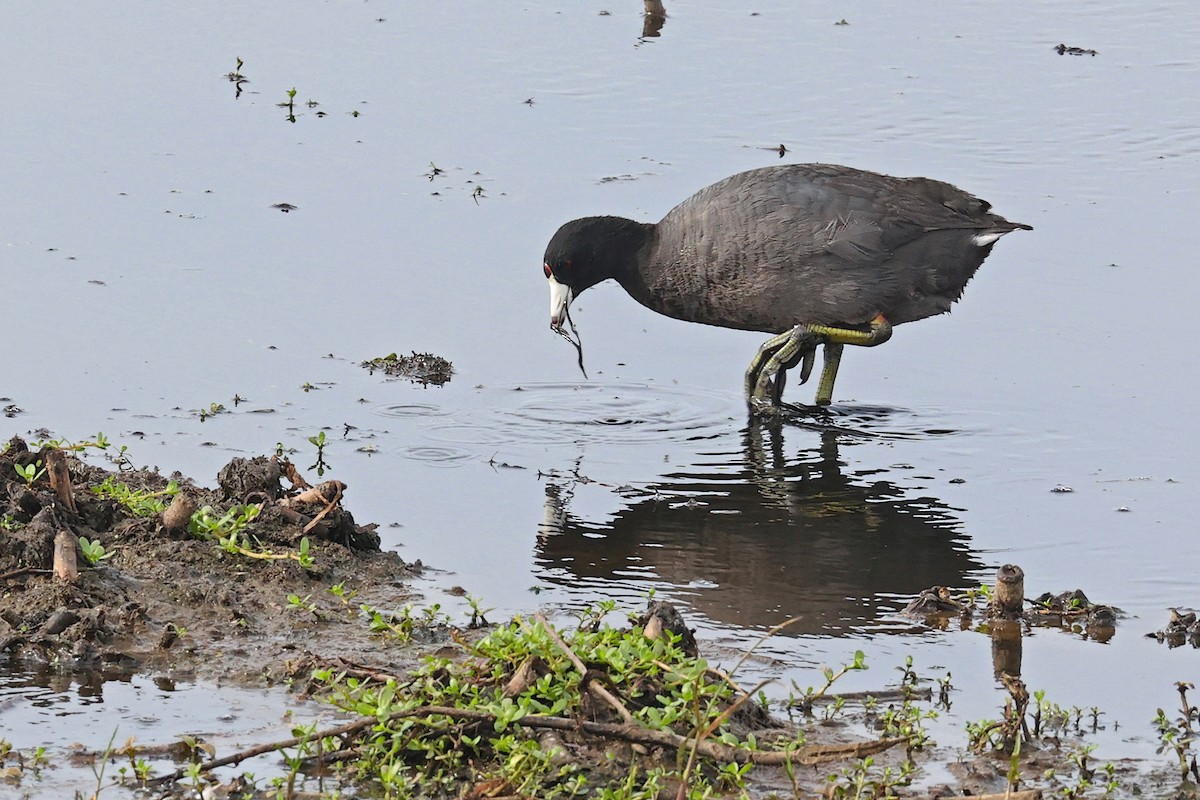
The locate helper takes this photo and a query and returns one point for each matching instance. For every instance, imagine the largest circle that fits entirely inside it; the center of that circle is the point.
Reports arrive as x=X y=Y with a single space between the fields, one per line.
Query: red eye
x=549 y=272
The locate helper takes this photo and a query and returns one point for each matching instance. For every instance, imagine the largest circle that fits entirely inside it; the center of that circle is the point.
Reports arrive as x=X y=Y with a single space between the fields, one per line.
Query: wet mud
x=161 y=597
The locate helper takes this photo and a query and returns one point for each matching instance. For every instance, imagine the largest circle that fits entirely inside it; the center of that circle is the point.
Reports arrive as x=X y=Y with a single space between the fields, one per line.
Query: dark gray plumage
x=833 y=254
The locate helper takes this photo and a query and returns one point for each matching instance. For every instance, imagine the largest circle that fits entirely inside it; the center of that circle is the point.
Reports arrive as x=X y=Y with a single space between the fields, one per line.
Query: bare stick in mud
x=1010 y=592
x=179 y=513
x=60 y=479
x=65 y=566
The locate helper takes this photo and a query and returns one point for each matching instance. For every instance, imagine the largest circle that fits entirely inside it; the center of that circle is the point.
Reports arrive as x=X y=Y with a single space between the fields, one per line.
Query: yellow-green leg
x=764 y=377
x=833 y=359
x=763 y=384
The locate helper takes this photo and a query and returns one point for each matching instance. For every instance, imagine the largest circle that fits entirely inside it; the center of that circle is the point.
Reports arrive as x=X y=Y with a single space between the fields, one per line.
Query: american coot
x=814 y=254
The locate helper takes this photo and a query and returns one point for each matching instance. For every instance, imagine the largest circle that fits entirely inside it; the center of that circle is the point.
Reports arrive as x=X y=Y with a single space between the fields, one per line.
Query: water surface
x=148 y=276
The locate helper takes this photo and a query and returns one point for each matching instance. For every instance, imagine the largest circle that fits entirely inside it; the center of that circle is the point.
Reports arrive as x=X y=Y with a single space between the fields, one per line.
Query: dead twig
x=21 y=572
x=769 y=633
x=881 y=696
x=1024 y=794
x=329 y=493
x=593 y=685
x=270 y=747
x=366 y=673
x=633 y=733
x=291 y=473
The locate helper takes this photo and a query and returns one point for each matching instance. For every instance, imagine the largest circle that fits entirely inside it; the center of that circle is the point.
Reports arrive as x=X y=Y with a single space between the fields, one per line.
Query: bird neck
x=624 y=250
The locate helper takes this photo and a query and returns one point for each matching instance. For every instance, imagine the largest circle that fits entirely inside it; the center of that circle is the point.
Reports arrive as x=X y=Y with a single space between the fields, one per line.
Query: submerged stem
x=573 y=338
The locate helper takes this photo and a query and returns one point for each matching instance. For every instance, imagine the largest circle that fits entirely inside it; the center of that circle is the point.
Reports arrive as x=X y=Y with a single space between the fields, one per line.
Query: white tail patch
x=984 y=239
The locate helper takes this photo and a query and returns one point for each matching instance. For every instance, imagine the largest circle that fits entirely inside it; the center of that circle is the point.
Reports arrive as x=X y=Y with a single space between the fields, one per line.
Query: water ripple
x=593 y=412
x=439 y=456
x=406 y=410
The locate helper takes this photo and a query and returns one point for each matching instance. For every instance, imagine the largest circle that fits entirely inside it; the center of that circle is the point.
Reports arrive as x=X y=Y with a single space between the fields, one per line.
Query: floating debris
x=933 y=601
x=1066 y=50
x=1071 y=606
x=1005 y=601
x=423 y=368
x=1182 y=628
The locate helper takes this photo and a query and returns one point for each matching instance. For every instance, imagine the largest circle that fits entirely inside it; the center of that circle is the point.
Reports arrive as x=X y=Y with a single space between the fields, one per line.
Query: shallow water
x=85 y=713
x=147 y=277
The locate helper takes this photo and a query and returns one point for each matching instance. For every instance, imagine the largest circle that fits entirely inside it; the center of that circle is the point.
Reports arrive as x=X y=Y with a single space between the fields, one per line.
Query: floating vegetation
x=423 y=368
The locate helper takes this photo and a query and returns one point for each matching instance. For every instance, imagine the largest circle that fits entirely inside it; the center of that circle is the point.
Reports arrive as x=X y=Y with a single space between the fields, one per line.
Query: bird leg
x=805 y=358
x=829 y=368
x=765 y=351
x=765 y=376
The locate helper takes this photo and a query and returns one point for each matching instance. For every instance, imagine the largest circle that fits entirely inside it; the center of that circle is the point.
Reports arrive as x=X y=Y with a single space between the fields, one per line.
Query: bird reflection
x=753 y=538
x=654 y=19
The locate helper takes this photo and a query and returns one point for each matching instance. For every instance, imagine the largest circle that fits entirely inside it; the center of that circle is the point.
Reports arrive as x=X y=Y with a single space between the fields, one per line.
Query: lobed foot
x=766 y=375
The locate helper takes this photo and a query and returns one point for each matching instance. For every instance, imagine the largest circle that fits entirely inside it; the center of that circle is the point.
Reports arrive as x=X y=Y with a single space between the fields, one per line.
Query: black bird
x=814 y=254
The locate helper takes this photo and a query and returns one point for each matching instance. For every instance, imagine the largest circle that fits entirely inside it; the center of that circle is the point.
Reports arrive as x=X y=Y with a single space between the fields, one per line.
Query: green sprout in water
x=319 y=442
x=290 y=105
x=212 y=410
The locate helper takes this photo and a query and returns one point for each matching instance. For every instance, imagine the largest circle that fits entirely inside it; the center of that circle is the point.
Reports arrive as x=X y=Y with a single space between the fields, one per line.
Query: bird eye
x=549 y=272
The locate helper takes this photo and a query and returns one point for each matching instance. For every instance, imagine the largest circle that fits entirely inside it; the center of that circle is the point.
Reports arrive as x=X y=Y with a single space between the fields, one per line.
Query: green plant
x=229 y=530
x=863 y=782
x=908 y=720
x=339 y=591
x=298 y=603
x=141 y=768
x=195 y=774
x=471 y=717
x=100 y=443
x=809 y=695
x=103 y=758
x=981 y=595
x=403 y=624
x=30 y=472
x=478 y=620
x=35 y=760
x=908 y=675
x=212 y=410
x=140 y=503
x=1177 y=736
x=206 y=524
x=319 y=442
x=944 y=689
x=236 y=76
x=93 y=550
x=290 y=105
